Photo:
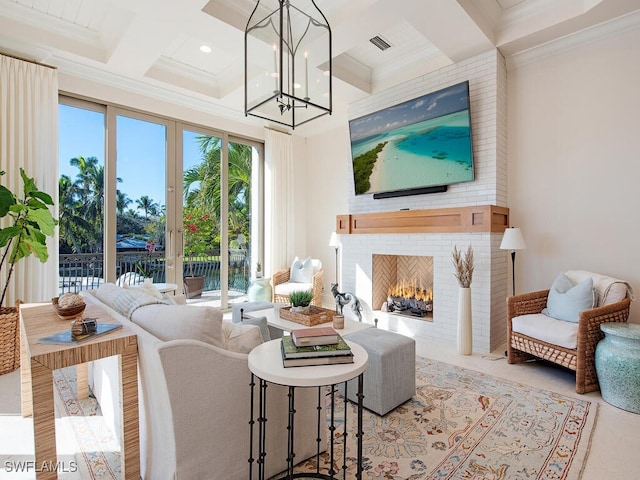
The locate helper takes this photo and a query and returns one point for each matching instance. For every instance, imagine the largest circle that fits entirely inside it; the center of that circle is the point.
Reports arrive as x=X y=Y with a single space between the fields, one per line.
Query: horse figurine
x=343 y=299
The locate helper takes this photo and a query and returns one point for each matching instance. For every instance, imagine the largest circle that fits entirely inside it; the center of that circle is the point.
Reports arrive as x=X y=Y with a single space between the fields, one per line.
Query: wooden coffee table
x=38 y=361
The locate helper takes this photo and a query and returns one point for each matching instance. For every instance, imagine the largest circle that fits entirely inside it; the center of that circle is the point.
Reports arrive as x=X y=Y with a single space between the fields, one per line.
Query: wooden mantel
x=475 y=219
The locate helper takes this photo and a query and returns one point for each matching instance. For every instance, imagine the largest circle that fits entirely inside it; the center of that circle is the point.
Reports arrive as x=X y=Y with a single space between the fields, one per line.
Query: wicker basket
x=314 y=317
x=9 y=339
x=68 y=313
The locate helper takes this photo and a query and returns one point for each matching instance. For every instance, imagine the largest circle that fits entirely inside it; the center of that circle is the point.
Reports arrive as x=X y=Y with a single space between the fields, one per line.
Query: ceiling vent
x=380 y=42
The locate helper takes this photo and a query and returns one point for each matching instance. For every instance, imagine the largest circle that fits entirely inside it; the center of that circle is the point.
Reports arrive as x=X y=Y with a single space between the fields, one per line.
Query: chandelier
x=287 y=62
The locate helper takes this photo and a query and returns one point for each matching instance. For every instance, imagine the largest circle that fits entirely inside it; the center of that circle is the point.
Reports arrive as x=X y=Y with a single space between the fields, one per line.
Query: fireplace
x=403 y=285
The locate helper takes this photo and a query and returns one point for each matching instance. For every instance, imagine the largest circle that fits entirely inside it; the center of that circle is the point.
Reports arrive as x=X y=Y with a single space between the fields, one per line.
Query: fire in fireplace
x=410 y=298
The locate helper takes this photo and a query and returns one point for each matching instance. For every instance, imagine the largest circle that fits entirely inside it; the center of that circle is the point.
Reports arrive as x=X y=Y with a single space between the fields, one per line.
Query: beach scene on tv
x=419 y=143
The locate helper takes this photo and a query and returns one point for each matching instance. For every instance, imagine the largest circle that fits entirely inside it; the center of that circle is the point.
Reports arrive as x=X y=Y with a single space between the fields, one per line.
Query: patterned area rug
x=98 y=455
x=463 y=424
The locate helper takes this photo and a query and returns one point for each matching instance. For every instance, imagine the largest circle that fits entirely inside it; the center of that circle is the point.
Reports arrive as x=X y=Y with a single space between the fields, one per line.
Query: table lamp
x=512 y=240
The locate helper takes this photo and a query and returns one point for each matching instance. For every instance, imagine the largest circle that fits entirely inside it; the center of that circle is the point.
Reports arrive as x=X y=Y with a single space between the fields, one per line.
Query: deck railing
x=85 y=271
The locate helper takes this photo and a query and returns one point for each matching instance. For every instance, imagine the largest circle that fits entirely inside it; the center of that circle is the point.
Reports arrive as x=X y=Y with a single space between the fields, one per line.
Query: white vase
x=465 y=339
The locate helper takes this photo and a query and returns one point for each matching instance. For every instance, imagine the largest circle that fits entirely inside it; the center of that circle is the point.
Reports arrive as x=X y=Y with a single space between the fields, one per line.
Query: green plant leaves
x=7 y=200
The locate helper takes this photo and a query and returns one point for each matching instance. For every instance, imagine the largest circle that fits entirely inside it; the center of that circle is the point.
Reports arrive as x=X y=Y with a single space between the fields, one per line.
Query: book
x=304 y=337
x=67 y=338
x=310 y=361
x=289 y=349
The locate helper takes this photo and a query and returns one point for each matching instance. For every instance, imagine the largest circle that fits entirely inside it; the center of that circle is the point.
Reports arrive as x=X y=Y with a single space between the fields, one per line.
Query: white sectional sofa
x=194 y=390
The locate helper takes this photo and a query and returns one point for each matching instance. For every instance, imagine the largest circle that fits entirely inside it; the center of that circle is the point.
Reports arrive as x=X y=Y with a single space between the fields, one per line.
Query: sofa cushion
x=547 y=329
x=240 y=337
x=288 y=287
x=566 y=300
x=173 y=322
x=301 y=271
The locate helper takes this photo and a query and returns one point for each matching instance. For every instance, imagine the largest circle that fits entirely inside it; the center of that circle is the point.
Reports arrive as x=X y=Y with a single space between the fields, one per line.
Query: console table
x=265 y=362
x=38 y=361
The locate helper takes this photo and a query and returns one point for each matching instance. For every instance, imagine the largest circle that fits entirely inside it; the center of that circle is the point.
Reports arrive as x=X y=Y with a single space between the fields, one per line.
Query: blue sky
x=141 y=150
x=443 y=102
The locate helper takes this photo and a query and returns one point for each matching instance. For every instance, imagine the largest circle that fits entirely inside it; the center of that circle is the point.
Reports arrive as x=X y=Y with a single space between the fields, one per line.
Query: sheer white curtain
x=29 y=139
x=278 y=200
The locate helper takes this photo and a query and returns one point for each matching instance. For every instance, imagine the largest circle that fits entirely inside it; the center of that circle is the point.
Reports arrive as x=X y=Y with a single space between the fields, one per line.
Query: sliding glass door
x=140 y=201
x=172 y=202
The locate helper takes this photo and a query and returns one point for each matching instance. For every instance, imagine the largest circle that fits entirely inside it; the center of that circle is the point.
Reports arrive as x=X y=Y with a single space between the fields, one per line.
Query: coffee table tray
x=316 y=316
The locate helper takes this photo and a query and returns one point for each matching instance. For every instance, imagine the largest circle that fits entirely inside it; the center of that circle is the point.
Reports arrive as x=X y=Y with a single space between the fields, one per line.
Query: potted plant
x=258 y=270
x=31 y=222
x=198 y=233
x=300 y=301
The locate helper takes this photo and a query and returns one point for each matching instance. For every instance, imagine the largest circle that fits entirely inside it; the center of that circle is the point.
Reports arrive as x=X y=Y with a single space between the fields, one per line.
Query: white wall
x=330 y=192
x=574 y=161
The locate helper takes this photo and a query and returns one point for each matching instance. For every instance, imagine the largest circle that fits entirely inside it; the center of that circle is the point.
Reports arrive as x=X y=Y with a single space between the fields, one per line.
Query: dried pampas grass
x=463 y=266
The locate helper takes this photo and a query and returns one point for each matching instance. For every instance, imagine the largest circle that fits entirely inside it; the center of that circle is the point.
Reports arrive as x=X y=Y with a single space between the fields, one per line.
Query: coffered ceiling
x=155 y=44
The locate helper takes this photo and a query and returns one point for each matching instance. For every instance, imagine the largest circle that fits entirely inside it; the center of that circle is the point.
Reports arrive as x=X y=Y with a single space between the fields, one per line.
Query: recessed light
x=205 y=48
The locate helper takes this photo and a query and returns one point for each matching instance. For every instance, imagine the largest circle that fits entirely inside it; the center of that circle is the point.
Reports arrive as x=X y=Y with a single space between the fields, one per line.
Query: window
x=156 y=199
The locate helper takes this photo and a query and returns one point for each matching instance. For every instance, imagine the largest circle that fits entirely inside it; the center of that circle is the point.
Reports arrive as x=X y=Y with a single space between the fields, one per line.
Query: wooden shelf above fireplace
x=475 y=219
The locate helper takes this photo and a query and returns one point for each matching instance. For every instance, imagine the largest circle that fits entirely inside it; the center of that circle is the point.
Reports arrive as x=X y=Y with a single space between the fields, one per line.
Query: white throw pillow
x=147 y=287
x=173 y=322
x=301 y=271
x=240 y=338
x=566 y=300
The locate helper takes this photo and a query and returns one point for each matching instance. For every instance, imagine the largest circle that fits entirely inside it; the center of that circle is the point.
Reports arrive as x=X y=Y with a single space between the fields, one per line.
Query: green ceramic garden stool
x=618 y=365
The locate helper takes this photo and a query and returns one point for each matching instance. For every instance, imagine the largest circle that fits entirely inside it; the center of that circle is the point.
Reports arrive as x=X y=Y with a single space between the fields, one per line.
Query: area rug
x=463 y=424
x=98 y=452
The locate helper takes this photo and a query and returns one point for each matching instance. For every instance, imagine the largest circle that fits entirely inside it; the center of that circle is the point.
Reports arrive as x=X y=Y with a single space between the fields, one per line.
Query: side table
x=618 y=365
x=265 y=363
x=260 y=290
x=38 y=361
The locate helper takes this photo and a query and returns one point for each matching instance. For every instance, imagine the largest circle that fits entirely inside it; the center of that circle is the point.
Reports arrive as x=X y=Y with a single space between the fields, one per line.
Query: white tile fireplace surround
x=489 y=286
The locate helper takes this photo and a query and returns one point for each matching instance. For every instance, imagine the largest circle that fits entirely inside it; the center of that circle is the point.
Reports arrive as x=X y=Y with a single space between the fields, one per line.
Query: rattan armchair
x=283 y=276
x=521 y=347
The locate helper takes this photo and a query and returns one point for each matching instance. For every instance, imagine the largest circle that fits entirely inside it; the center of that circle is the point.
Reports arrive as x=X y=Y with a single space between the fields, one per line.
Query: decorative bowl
x=68 y=313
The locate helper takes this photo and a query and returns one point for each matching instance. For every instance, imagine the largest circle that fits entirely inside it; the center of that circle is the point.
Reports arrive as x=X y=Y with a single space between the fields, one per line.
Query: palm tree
x=147 y=205
x=72 y=221
x=202 y=183
x=122 y=201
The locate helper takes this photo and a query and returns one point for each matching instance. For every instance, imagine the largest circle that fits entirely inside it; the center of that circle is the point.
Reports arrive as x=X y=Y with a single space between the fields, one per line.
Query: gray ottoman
x=390 y=379
x=245 y=307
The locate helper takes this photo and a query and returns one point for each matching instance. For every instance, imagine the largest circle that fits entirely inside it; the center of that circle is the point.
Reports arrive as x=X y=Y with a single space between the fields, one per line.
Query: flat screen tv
x=415 y=147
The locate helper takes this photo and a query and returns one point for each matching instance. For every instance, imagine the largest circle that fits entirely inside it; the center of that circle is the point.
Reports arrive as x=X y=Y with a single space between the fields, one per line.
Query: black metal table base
x=321 y=423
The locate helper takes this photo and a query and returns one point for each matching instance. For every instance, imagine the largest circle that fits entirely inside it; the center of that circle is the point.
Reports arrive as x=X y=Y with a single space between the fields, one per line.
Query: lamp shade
x=512 y=240
x=333 y=240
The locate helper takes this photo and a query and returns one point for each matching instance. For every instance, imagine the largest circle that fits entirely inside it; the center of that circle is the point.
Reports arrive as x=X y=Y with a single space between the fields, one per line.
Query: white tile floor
x=614 y=449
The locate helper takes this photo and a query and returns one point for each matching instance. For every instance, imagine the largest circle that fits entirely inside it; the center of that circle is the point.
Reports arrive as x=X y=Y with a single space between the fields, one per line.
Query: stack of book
x=314 y=346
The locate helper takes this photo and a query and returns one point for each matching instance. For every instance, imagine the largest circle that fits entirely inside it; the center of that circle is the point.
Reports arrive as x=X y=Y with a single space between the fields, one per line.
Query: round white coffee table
x=265 y=362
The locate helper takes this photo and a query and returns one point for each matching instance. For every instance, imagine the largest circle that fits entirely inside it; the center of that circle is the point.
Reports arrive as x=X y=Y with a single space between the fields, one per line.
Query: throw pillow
x=301 y=271
x=147 y=287
x=240 y=338
x=260 y=322
x=566 y=300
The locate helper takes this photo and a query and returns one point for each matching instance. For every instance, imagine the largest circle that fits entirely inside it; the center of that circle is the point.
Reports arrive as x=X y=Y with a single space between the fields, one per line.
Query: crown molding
x=585 y=37
x=150 y=89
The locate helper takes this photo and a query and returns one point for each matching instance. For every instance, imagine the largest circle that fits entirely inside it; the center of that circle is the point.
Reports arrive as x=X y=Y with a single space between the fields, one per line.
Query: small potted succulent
x=258 y=270
x=300 y=301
